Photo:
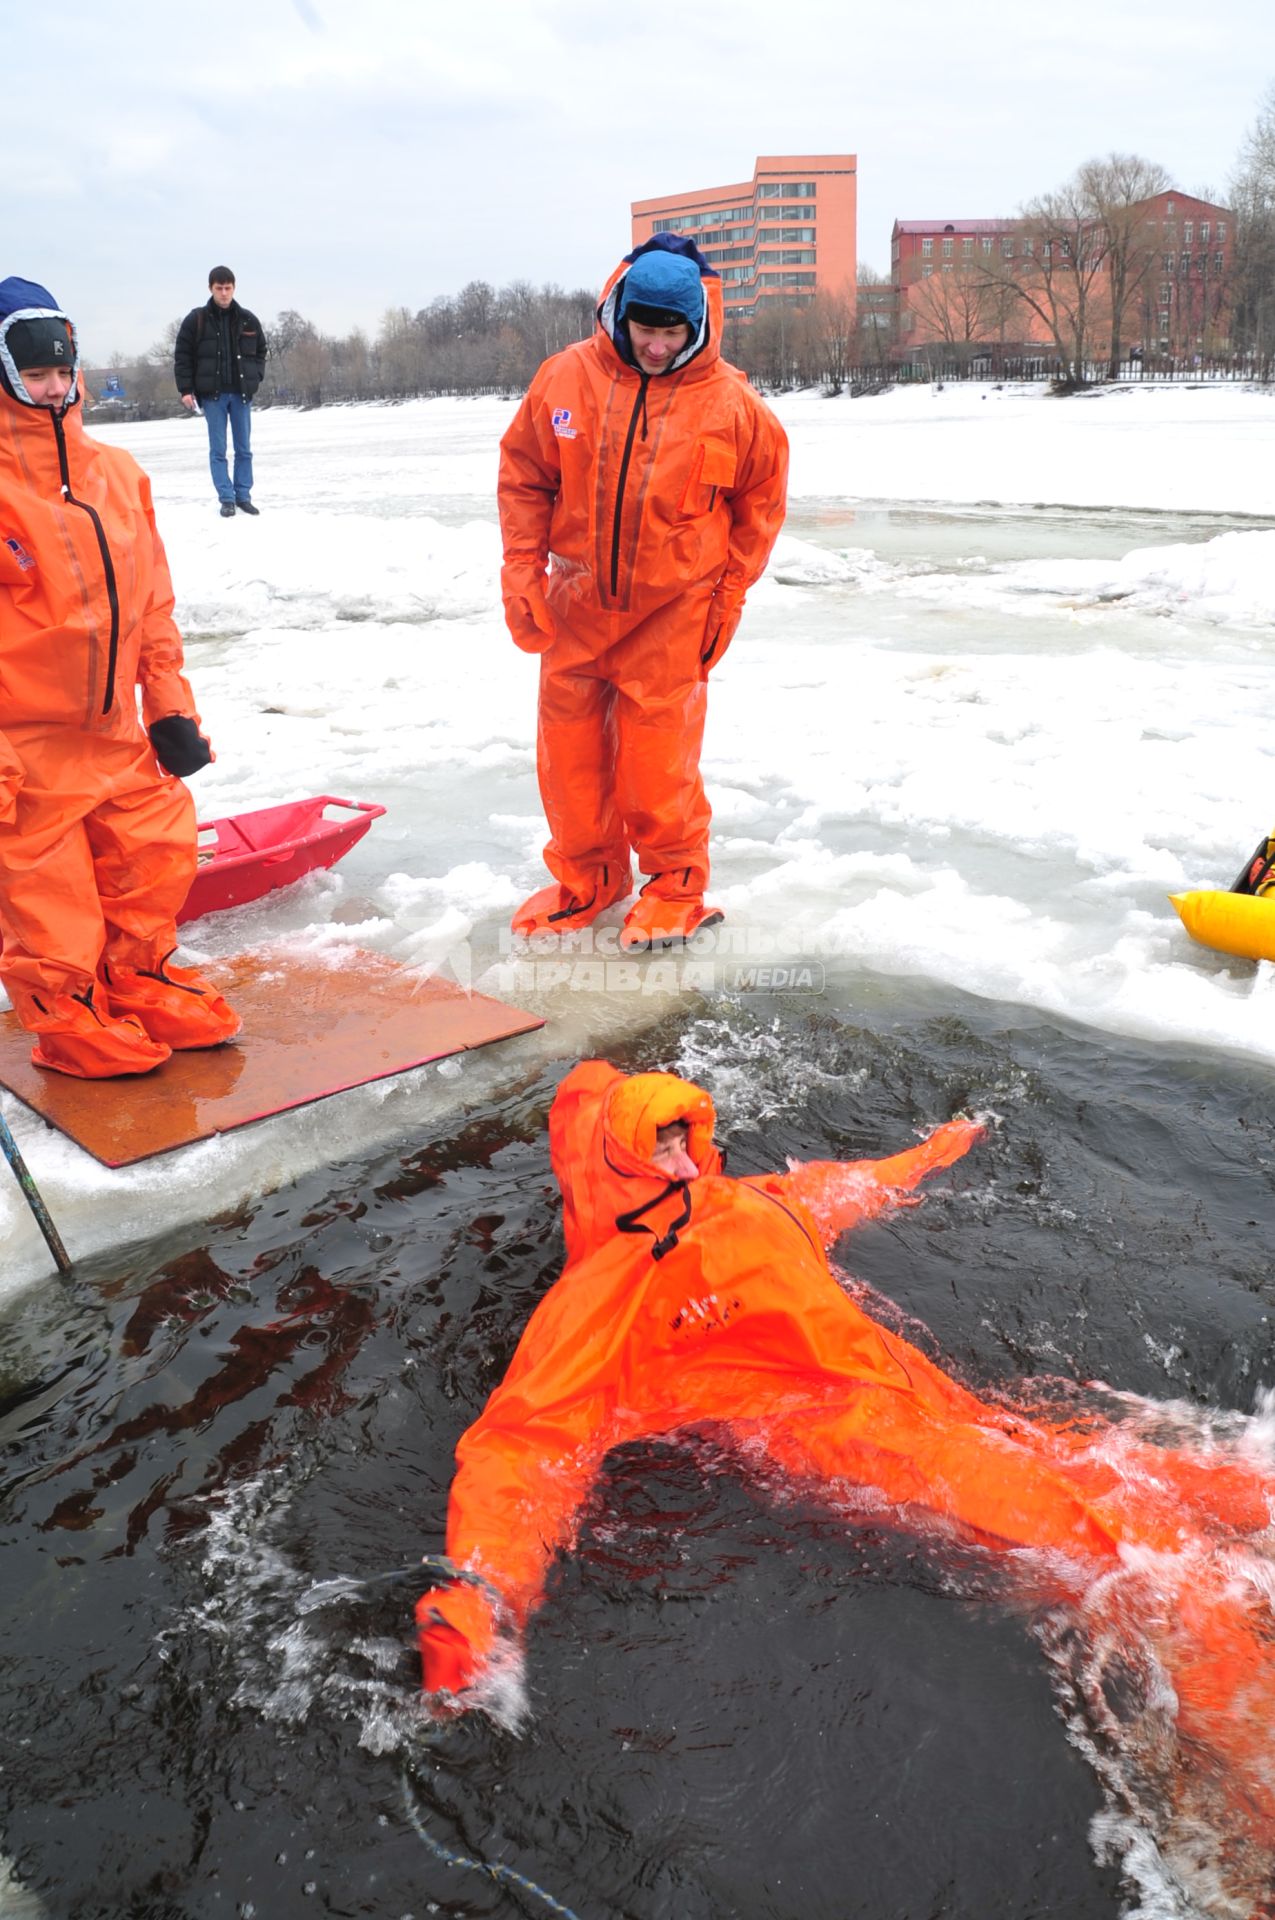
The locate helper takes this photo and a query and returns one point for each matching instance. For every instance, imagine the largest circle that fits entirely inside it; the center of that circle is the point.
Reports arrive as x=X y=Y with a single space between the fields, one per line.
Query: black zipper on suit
x=108 y=565
x=639 y=412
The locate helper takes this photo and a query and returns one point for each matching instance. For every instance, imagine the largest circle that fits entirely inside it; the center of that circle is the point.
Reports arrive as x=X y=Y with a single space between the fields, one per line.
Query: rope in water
x=432 y=1563
x=494 y=1870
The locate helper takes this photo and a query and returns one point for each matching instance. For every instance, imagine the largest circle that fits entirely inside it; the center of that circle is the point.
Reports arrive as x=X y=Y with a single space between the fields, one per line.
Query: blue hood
x=664 y=261
x=19 y=296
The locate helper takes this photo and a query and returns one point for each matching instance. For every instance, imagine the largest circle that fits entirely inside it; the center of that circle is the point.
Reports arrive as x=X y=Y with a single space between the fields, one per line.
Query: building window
x=947 y=266
x=987 y=243
x=1007 y=248
x=1221 y=229
x=796 y=236
x=1219 y=262
x=947 y=249
x=1029 y=246
x=1166 y=294
x=967 y=246
x=1188 y=232
x=1170 y=207
x=1204 y=233
x=926 y=272
x=927 y=248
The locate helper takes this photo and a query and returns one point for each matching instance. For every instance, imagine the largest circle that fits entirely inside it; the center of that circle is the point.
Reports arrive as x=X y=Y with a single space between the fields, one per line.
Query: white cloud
x=351 y=155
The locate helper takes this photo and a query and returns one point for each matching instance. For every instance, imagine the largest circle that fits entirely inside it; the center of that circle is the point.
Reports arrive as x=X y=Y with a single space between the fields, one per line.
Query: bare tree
x=1114 y=190
x=1252 y=196
x=876 y=317
x=829 y=329
x=964 y=309
x=1057 y=270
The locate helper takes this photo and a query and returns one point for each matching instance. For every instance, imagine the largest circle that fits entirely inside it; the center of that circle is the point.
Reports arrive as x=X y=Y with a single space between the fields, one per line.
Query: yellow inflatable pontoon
x=1238 y=923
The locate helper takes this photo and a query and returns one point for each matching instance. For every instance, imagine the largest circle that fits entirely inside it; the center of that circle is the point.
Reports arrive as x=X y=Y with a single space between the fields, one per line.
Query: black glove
x=179 y=745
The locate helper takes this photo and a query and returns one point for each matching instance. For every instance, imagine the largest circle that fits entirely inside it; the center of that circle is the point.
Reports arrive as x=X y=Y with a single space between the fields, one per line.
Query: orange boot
x=653 y=921
x=175 y=1005
x=74 y=1036
x=556 y=909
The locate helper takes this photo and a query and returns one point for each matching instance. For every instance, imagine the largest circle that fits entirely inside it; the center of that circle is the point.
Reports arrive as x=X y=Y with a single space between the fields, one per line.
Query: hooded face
x=39 y=356
x=620 y=1141
x=671 y=1153
x=47 y=386
x=656 y=348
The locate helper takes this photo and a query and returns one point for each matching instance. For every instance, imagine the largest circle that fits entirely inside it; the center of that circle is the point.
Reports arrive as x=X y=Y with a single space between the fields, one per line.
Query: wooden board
x=310 y=1029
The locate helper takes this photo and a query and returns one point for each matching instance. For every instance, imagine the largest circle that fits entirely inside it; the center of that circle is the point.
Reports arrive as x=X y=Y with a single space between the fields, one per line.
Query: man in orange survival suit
x=689 y=1297
x=97 y=834
x=646 y=475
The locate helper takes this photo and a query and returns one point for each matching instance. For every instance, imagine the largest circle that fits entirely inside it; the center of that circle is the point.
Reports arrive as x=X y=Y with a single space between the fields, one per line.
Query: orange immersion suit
x=712 y=1300
x=97 y=842
x=654 y=503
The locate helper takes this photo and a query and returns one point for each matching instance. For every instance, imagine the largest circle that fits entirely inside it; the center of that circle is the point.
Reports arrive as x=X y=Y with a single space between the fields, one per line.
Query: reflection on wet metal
x=310 y=1029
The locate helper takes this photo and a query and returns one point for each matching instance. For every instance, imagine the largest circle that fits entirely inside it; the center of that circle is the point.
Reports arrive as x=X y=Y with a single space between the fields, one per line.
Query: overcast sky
x=345 y=156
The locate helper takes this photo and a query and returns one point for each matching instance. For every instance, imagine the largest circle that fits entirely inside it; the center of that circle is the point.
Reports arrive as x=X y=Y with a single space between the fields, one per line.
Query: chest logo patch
x=19 y=553
x=562 y=423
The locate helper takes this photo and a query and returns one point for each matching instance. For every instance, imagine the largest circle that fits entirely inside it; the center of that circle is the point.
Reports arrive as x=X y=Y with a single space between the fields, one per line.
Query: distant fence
x=1240 y=368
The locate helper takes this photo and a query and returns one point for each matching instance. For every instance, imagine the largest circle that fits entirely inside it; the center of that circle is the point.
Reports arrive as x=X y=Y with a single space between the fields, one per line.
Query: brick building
x=945 y=279
x=1184 y=302
x=786 y=234
x=953 y=281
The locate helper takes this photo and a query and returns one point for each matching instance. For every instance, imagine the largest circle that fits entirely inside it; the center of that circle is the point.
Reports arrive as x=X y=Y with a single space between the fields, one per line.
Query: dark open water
x=738 y=1708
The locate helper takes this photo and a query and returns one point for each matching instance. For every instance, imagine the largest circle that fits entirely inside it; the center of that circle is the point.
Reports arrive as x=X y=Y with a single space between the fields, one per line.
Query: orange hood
x=602 y=1129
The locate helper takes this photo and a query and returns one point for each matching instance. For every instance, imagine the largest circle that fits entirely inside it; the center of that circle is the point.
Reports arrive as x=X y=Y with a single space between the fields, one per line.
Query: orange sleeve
x=841 y=1194
x=13 y=575
x=165 y=688
x=12 y=775
x=522 y=1471
x=758 y=504
x=530 y=478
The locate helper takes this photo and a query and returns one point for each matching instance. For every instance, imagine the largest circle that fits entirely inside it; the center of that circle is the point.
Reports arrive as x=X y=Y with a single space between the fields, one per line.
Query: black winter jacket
x=199 y=360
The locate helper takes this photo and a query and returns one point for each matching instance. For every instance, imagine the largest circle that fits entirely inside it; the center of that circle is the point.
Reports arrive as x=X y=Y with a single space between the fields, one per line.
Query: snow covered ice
x=1007 y=684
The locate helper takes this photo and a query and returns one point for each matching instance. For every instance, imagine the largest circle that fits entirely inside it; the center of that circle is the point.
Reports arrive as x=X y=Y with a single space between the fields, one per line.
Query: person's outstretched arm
x=841 y=1194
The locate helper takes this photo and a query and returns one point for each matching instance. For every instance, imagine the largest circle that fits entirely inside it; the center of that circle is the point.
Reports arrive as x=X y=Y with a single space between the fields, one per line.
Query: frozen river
x=972 y=742
x=1006 y=686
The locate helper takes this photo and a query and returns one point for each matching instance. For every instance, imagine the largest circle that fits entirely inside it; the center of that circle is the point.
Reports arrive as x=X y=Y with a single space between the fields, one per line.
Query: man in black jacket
x=218 y=363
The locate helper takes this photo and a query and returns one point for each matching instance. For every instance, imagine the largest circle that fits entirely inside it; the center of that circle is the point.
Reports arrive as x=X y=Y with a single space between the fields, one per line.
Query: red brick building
x=953 y=281
x=1184 y=304
x=786 y=234
x=946 y=277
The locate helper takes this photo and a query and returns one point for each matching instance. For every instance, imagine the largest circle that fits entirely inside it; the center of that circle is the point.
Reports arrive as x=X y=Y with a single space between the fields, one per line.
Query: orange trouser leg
x=661 y=703
x=575 y=762
x=100 y=860
x=973 y=1474
x=144 y=849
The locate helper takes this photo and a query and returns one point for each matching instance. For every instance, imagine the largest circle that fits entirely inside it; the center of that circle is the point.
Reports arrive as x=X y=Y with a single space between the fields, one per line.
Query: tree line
x=1080 y=262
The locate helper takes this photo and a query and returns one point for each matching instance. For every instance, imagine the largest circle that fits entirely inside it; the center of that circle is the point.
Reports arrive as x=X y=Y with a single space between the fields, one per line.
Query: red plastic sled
x=251 y=854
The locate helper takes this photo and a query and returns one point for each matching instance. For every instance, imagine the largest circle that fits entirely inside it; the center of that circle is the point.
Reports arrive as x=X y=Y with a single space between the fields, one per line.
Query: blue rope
x=493 y=1869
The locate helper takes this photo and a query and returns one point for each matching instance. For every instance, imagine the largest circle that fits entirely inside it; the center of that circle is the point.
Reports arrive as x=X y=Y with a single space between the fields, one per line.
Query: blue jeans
x=228 y=406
